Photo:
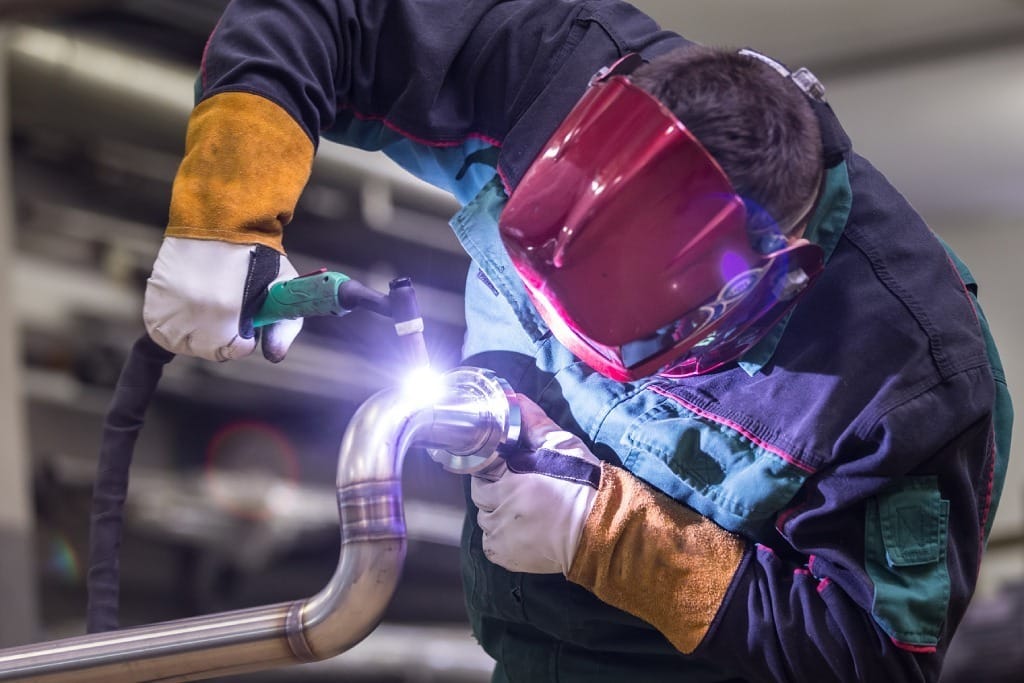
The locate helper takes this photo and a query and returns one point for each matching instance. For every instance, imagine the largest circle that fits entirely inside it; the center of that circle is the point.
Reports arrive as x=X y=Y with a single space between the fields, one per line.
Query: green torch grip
x=309 y=295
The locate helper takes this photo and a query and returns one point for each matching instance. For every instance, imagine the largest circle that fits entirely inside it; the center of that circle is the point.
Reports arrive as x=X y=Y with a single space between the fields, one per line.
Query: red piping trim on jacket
x=732 y=425
x=993 y=456
x=202 y=61
x=505 y=181
x=783 y=517
x=433 y=143
x=415 y=138
x=919 y=649
x=963 y=285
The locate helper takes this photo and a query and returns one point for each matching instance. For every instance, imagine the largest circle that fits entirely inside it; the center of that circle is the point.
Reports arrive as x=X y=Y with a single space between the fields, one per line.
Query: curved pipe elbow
x=474 y=415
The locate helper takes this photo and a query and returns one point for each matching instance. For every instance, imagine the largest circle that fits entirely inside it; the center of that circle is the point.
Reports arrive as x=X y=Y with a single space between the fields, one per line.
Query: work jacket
x=859 y=448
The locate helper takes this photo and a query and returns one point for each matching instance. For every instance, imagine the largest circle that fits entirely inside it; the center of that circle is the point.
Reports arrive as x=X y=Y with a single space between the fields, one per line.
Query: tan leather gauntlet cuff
x=246 y=163
x=650 y=556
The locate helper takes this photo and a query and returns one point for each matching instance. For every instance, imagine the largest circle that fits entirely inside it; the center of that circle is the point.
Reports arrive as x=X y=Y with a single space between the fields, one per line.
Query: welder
x=765 y=427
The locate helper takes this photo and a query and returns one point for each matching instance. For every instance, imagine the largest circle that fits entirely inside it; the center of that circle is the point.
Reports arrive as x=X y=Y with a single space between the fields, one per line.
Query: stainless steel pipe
x=473 y=416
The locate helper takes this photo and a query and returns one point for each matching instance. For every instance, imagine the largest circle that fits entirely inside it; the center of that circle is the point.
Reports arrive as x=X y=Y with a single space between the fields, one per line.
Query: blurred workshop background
x=232 y=500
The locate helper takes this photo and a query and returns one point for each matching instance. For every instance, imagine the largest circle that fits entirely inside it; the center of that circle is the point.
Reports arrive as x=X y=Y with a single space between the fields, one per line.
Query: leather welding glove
x=532 y=515
x=246 y=163
x=556 y=509
x=202 y=295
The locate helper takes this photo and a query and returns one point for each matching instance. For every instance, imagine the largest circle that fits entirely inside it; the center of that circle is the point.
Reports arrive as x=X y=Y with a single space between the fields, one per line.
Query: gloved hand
x=532 y=514
x=202 y=295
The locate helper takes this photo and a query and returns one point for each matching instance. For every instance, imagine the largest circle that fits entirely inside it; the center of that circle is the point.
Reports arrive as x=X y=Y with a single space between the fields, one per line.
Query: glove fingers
x=278 y=338
x=485 y=493
x=235 y=349
x=202 y=294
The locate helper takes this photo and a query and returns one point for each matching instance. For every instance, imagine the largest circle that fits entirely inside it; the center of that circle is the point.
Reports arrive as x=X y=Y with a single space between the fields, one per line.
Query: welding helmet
x=633 y=244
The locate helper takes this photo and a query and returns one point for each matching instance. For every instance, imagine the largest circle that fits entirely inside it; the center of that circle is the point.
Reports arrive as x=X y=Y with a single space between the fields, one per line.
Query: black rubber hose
x=132 y=396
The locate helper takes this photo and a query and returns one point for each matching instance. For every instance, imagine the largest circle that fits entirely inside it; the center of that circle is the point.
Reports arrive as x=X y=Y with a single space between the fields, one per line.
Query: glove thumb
x=266 y=269
x=536 y=423
x=277 y=338
x=541 y=432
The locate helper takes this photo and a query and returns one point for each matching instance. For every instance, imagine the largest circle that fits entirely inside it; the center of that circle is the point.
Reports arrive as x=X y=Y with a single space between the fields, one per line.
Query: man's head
x=646 y=244
x=755 y=123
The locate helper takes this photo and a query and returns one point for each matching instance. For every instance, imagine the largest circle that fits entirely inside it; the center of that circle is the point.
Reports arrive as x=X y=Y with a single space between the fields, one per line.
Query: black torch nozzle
x=405 y=311
x=400 y=305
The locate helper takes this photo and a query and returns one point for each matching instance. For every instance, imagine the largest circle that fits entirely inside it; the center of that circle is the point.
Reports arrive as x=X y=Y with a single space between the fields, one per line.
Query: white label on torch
x=409 y=327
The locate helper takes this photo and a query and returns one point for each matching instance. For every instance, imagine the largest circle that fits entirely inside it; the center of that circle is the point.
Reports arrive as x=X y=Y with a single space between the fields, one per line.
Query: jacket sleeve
x=440 y=85
x=865 y=579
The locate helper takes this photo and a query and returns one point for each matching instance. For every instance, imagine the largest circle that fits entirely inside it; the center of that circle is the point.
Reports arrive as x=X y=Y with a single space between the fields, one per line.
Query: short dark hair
x=756 y=123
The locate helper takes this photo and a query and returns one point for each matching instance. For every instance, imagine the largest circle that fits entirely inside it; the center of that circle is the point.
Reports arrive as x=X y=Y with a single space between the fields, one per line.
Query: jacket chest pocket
x=711 y=464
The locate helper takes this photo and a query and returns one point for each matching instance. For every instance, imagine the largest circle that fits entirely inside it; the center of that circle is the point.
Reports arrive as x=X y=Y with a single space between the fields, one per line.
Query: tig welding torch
x=321 y=293
x=329 y=293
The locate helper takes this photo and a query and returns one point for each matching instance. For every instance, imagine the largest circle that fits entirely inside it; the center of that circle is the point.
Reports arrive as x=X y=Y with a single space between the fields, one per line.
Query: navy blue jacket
x=860 y=447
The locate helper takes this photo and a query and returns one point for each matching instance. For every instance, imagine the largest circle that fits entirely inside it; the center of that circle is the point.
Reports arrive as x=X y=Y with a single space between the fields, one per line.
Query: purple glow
x=731 y=265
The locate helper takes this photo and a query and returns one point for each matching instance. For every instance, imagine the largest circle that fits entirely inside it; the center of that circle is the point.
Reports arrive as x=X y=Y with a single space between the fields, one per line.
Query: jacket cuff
x=246 y=163
x=649 y=555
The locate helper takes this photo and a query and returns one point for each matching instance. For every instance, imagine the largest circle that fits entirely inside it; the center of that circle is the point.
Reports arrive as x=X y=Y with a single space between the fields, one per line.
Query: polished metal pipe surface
x=350 y=606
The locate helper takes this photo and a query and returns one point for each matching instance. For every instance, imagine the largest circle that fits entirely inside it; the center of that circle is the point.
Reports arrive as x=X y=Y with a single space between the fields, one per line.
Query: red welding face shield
x=633 y=244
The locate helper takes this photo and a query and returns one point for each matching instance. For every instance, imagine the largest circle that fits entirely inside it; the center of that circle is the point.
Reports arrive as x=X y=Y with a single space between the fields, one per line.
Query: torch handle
x=301 y=297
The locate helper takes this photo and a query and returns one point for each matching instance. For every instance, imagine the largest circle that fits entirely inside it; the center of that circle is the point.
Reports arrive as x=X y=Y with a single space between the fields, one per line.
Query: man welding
x=765 y=425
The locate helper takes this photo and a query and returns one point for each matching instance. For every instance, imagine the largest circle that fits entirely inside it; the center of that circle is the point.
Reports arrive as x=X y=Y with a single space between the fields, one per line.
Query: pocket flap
x=912 y=523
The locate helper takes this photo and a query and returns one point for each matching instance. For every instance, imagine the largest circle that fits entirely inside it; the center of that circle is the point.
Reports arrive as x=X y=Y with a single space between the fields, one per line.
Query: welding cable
x=132 y=395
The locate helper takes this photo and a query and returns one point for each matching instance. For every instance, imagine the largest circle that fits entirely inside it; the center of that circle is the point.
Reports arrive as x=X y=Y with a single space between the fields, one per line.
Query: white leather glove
x=202 y=295
x=532 y=515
